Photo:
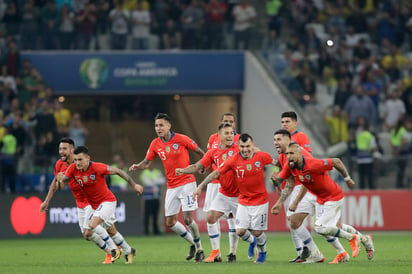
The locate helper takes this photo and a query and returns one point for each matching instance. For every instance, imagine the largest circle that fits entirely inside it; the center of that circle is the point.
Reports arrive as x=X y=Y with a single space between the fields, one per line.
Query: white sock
x=233 y=238
x=99 y=242
x=305 y=237
x=261 y=242
x=180 y=230
x=194 y=229
x=105 y=236
x=352 y=230
x=248 y=237
x=333 y=241
x=297 y=242
x=214 y=235
x=120 y=241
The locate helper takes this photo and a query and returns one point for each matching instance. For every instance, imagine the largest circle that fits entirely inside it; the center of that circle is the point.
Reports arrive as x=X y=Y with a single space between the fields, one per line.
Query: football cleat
x=192 y=252
x=355 y=245
x=108 y=259
x=341 y=258
x=129 y=257
x=116 y=253
x=295 y=260
x=261 y=258
x=369 y=247
x=214 y=257
x=200 y=255
x=305 y=253
x=251 y=252
x=231 y=258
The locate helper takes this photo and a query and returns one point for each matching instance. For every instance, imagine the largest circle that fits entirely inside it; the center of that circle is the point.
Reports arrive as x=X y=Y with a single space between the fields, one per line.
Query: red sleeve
x=56 y=168
x=189 y=143
x=207 y=159
x=151 y=154
x=320 y=165
x=304 y=142
x=266 y=158
x=102 y=168
x=70 y=170
x=209 y=142
x=285 y=173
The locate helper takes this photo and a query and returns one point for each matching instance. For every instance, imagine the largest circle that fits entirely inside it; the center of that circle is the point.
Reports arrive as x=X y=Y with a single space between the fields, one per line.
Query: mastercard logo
x=25 y=216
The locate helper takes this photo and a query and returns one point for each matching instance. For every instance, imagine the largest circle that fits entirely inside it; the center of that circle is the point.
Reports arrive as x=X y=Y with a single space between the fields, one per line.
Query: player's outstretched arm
x=117 y=171
x=53 y=187
x=199 y=152
x=189 y=169
x=338 y=164
x=212 y=176
x=142 y=165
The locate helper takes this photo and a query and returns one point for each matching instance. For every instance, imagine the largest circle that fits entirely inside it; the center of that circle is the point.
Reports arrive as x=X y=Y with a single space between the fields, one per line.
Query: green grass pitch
x=166 y=254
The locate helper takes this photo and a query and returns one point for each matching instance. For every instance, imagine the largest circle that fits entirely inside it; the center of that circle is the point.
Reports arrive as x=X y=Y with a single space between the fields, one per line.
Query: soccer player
x=173 y=149
x=213 y=188
x=300 y=235
x=252 y=213
x=90 y=176
x=226 y=201
x=84 y=209
x=313 y=175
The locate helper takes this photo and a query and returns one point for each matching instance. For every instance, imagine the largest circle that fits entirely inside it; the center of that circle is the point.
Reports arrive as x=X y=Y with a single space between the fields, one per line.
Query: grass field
x=166 y=254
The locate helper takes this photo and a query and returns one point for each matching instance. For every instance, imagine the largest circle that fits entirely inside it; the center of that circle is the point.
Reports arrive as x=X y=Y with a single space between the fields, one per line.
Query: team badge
x=307 y=177
x=85 y=179
x=301 y=178
x=92 y=177
x=175 y=146
x=257 y=164
x=230 y=153
x=167 y=149
x=249 y=167
x=224 y=156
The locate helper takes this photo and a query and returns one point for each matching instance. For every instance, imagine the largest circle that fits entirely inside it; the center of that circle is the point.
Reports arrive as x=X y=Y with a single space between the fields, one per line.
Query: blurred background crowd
x=346 y=61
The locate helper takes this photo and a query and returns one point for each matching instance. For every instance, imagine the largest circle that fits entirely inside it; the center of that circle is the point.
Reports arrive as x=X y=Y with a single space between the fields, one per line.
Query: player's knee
x=240 y=232
x=188 y=220
x=211 y=219
x=295 y=223
x=321 y=230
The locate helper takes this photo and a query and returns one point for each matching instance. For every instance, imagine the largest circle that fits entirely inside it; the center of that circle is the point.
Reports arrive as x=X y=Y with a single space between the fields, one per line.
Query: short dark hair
x=163 y=116
x=224 y=125
x=289 y=114
x=67 y=140
x=81 y=149
x=227 y=114
x=245 y=137
x=284 y=132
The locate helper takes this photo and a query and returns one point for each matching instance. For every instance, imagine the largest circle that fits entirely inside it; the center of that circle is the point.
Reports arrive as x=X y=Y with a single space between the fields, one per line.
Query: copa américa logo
x=94 y=72
x=25 y=216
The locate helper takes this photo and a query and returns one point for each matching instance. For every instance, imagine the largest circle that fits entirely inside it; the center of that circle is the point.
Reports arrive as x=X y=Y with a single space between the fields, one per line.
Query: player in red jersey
x=226 y=201
x=84 y=210
x=173 y=149
x=90 y=176
x=213 y=188
x=313 y=174
x=289 y=121
x=247 y=167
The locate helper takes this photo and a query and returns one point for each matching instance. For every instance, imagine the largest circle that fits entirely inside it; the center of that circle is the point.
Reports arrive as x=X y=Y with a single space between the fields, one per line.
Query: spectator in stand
x=361 y=53
x=8 y=162
x=337 y=124
x=45 y=122
x=401 y=60
x=12 y=19
x=119 y=19
x=62 y=116
x=86 y=24
x=29 y=26
x=140 y=19
x=3 y=45
x=342 y=93
x=102 y=10
x=216 y=11
x=172 y=36
x=360 y=104
x=401 y=145
x=244 y=14
x=351 y=39
x=66 y=28
x=371 y=87
x=273 y=8
x=357 y=20
x=8 y=80
x=394 y=110
x=77 y=131
x=117 y=183
x=385 y=27
x=19 y=131
x=160 y=15
x=193 y=22
x=50 y=18
x=335 y=20
x=13 y=58
x=407 y=100
x=311 y=42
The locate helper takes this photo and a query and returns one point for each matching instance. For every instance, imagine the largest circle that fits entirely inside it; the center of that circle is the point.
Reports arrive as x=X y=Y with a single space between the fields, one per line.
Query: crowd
x=358 y=51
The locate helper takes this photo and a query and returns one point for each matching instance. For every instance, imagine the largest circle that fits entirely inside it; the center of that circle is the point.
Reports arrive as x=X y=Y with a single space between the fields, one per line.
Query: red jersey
x=93 y=182
x=284 y=161
x=174 y=154
x=217 y=156
x=301 y=139
x=314 y=176
x=79 y=196
x=249 y=177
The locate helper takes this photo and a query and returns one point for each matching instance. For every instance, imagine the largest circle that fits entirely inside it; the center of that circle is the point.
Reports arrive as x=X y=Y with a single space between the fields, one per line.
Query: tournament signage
x=130 y=73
